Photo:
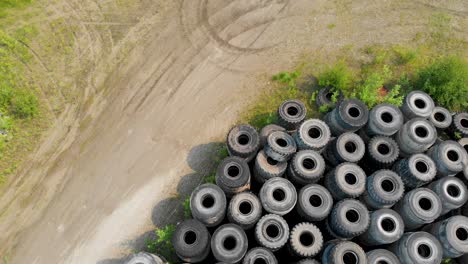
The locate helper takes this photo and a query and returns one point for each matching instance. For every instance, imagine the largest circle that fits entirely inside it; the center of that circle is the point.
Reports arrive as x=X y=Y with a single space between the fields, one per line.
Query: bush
x=446 y=81
x=24 y=104
x=338 y=76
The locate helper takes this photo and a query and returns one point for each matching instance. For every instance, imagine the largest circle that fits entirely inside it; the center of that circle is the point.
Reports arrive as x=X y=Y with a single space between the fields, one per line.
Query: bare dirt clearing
x=188 y=69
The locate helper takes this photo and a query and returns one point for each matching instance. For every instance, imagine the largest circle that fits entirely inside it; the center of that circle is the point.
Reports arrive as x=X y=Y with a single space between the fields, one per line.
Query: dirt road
x=182 y=86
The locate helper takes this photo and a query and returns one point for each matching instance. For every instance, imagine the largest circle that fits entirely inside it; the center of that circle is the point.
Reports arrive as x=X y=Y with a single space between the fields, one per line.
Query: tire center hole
x=309 y=164
x=352 y=216
x=462 y=233
x=292 y=111
x=350 y=178
x=386 y=117
x=260 y=260
x=314 y=132
x=388 y=224
x=329 y=95
x=233 y=171
x=279 y=195
x=388 y=185
x=453 y=190
x=424 y=251
x=382 y=262
x=350 y=147
x=245 y=207
x=453 y=155
x=272 y=231
x=307 y=239
x=422 y=167
x=190 y=237
x=425 y=204
x=421 y=132
x=383 y=149
x=271 y=161
x=281 y=142
x=229 y=243
x=354 y=112
x=419 y=103
x=208 y=201
x=350 y=258
x=315 y=200
x=438 y=116
x=243 y=139
x=464 y=122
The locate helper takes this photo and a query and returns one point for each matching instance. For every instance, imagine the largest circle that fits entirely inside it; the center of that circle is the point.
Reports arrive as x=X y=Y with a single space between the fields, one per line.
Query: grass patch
x=162 y=244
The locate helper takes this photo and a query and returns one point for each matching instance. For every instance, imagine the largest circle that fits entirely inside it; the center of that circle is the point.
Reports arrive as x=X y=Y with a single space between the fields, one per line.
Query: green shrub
x=162 y=243
x=288 y=78
x=446 y=81
x=368 y=90
x=338 y=76
x=187 y=210
x=24 y=104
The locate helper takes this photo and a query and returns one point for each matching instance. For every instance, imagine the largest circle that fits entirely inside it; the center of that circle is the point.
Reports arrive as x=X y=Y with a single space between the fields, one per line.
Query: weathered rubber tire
x=441 y=118
x=416 y=171
x=305 y=240
x=418 y=247
x=191 y=241
x=306 y=166
x=314 y=202
x=449 y=157
x=308 y=261
x=343 y=252
x=324 y=97
x=244 y=210
x=267 y=130
x=348 y=116
x=419 y=207
x=347 y=180
x=417 y=104
x=349 y=218
x=384 y=119
x=233 y=176
x=208 y=204
x=451 y=191
x=381 y=256
x=291 y=113
x=416 y=136
x=381 y=153
x=267 y=168
x=386 y=227
x=383 y=189
x=348 y=147
x=272 y=232
x=229 y=243
x=243 y=141
x=255 y=255
x=312 y=134
x=452 y=234
x=464 y=143
x=278 y=196
x=280 y=146
x=459 y=125
x=146 y=258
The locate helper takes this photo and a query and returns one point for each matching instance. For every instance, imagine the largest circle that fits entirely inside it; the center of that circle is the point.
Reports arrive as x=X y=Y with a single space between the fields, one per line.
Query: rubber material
x=266 y=168
x=343 y=252
x=314 y=202
x=452 y=234
x=383 y=189
x=381 y=153
x=267 y=130
x=451 y=191
x=416 y=171
x=280 y=146
x=278 y=196
x=243 y=141
x=418 y=247
x=229 y=243
x=459 y=125
x=381 y=256
x=348 y=147
x=146 y=258
x=384 y=119
x=349 y=218
x=440 y=118
x=347 y=180
x=191 y=241
x=324 y=97
x=244 y=210
x=291 y=113
x=254 y=256
x=208 y=204
x=348 y=116
x=308 y=261
x=312 y=134
x=449 y=157
x=272 y=232
x=417 y=104
x=386 y=227
x=307 y=166
x=233 y=176
x=305 y=240
x=416 y=136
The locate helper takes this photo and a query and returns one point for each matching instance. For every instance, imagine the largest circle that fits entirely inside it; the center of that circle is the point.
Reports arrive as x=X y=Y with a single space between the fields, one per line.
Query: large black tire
x=441 y=118
x=381 y=256
x=305 y=240
x=449 y=157
x=416 y=171
x=417 y=104
x=418 y=247
x=314 y=202
x=381 y=153
x=384 y=119
x=459 y=125
x=324 y=97
x=243 y=141
x=349 y=218
x=348 y=147
x=280 y=146
x=347 y=180
x=308 y=261
x=229 y=243
x=233 y=176
x=146 y=258
x=208 y=204
x=272 y=232
x=383 y=189
x=260 y=255
x=291 y=113
x=267 y=168
x=343 y=252
x=312 y=134
x=267 y=130
x=348 y=116
x=191 y=241
x=244 y=210
x=278 y=196
x=451 y=191
x=307 y=166
x=416 y=136
x=452 y=234
x=386 y=227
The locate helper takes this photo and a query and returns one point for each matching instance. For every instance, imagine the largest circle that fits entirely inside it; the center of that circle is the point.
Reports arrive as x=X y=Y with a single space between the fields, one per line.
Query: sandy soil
x=195 y=66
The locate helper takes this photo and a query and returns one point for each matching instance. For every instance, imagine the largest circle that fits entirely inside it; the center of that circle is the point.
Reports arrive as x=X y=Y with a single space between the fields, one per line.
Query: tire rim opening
x=243 y=139
x=462 y=234
x=306 y=239
x=272 y=231
x=388 y=224
x=350 y=258
x=271 y=161
x=421 y=132
x=245 y=207
x=314 y=132
x=350 y=178
x=425 y=204
x=464 y=122
x=260 y=260
x=279 y=195
x=382 y=262
x=438 y=116
x=386 y=117
x=419 y=103
x=352 y=216
x=309 y=164
x=453 y=190
x=292 y=111
x=233 y=171
x=281 y=142
x=190 y=237
x=208 y=201
x=422 y=167
x=350 y=147
x=388 y=185
x=383 y=149
x=466 y=147
x=453 y=155
x=424 y=251
x=230 y=243
x=329 y=96
x=354 y=112
x=315 y=200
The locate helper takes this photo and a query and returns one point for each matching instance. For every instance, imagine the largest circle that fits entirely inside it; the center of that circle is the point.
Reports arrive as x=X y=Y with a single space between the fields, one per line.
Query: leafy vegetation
x=162 y=243
x=338 y=76
x=187 y=210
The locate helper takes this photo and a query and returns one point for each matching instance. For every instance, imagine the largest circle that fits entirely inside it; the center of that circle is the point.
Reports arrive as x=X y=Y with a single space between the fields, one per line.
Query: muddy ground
x=111 y=167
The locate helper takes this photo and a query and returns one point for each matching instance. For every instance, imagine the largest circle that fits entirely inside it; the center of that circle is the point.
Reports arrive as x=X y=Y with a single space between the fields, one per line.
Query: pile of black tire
x=383 y=186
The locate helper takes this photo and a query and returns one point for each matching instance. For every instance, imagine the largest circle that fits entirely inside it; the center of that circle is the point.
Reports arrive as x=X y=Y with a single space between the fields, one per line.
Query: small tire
x=441 y=118
x=243 y=141
x=280 y=146
x=314 y=202
x=348 y=147
x=449 y=157
x=307 y=166
x=347 y=180
x=324 y=97
x=312 y=134
x=291 y=113
x=260 y=255
x=459 y=125
x=233 y=176
x=146 y=258
x=417 y=104
x=244 y=210
x=452 y=234
x=384 y=119
x=272 y=232
x=278 y=196
x=416 y=136
x=418 y=247
x=342 y=252
x=380 y=256
x=416 y=171
x=348 y=116
x=191 y=241
x=267 y=130
x=384 y=188
x=266 y=168
x=381 y=153
x=208 y=204
x=229 y=243
x=305 y=240
x=451 y=191
x=349 y=218
x=386 y=227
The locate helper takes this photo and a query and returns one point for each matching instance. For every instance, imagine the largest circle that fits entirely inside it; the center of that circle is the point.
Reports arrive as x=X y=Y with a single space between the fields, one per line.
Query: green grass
x=162 y=244
x=187 y=210
x=6 y=5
